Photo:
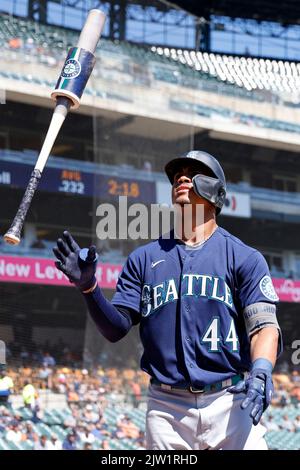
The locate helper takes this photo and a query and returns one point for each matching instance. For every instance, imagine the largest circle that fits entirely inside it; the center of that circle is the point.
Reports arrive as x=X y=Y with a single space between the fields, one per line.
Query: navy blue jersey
x=189 y=303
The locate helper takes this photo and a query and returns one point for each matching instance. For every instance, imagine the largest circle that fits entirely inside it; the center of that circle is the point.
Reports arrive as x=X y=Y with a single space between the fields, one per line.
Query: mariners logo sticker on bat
x=71 y=69
x=267 y=288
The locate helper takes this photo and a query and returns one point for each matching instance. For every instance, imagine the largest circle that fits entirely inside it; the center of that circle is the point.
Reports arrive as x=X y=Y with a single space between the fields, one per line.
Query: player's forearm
x=264 y=344
x=110 y=322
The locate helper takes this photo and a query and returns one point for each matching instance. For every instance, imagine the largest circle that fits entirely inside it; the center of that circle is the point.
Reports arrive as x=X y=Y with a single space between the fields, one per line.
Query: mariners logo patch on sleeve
x=267 y=288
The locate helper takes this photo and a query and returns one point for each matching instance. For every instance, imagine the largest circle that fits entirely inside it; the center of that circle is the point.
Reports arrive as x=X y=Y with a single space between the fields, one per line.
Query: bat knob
x=11 y=239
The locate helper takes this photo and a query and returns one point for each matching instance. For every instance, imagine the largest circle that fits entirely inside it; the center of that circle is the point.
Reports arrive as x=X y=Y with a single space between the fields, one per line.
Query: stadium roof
x=285 y=12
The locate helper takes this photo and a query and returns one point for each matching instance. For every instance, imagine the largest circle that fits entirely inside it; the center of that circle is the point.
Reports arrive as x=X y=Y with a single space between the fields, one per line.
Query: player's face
x=182 y=189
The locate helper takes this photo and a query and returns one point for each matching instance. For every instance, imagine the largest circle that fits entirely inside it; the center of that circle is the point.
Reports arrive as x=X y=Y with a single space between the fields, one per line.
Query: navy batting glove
x=258 y=388
x=79 y=265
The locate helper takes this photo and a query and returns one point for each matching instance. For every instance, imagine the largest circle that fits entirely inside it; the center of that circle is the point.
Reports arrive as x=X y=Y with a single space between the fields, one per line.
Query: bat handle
x=13 y=235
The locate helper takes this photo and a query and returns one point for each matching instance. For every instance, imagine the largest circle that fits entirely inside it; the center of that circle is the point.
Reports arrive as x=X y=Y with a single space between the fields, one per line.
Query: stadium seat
x=249 y=74
x=26 y=445
x=59 y=432
x=4 y=445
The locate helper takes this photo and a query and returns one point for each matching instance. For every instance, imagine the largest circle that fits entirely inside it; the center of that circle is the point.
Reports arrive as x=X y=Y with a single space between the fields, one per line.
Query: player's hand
x=79 y=265
x=258 y=389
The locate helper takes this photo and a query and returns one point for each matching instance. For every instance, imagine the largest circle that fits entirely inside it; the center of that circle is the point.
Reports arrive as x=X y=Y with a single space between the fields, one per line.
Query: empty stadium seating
x=253 y=78
x=247 y=78
x=283 y=440
x=277 y=77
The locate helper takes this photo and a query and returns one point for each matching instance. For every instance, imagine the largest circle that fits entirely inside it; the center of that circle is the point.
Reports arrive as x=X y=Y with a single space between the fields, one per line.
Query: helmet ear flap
x=222 y=193
x=220 y=199
x=211 y=189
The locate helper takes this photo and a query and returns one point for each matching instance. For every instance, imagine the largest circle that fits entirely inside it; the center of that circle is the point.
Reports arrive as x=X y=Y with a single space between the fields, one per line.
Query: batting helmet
x=212 y=188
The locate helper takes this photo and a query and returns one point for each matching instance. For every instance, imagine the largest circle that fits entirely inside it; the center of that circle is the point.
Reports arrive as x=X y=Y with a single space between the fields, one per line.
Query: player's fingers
x=269 y=391
x=240 y=387
x=91 y=254
x=70 y=241
x=256 y=418
x=60 y=266
x=256 y=408
x=248 y=400
x=59 y=255
x=63 y=247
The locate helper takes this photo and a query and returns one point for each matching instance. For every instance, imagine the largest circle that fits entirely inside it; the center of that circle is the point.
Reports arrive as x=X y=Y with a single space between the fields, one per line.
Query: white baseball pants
x=181 y=420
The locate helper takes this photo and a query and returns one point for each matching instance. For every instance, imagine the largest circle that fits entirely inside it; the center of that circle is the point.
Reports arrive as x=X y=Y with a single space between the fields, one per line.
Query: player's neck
x=192 y=231
x=200 y=233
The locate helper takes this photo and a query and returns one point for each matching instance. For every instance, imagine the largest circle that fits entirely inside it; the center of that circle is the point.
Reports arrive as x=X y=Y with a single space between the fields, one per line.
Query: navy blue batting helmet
x=212 y=188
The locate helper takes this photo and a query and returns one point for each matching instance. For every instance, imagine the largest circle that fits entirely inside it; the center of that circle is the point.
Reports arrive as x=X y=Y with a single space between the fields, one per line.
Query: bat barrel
x=13 y=235
x=92 y=30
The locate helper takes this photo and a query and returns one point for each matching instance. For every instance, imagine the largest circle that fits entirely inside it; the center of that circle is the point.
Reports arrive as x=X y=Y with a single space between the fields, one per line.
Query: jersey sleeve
x=254 y=281
x=129 y=285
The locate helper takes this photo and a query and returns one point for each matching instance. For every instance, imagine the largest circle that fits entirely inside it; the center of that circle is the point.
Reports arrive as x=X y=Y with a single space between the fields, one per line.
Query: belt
x=215 y=387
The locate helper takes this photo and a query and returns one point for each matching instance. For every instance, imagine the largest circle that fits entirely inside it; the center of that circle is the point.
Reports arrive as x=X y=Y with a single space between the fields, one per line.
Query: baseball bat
x=68 y=91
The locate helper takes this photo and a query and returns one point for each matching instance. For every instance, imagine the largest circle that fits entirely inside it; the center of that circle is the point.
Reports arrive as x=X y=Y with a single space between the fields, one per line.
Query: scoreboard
x=80 y=183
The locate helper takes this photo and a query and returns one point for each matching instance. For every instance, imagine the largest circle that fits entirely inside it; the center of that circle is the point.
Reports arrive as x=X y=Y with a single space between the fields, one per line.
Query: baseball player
x=206 y=307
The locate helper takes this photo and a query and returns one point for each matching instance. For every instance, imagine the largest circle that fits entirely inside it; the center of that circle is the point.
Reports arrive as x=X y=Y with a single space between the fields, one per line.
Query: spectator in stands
x=286 y=424
x=90 y=415
x=48 y=360
x=72 y=395
x=297 y=424
x=6 y=386
x=29 y=395
x=42 y=443
x=28 y=434
x=136 y=393
x=126 y=428
x=24 y=356
x=13 y=434
x=141 y=440
x=100 y=429
x=269 y=423
x=280 y=397
x=15 y=43
x=295 y=395
x=87 y=446
x=54 y=444
x=105 y=445
x=29 y=45
x=37 y=413
x=69 y=442
x=45 y=375
x=70 y=421
x=86 y=436
x=295 y=378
